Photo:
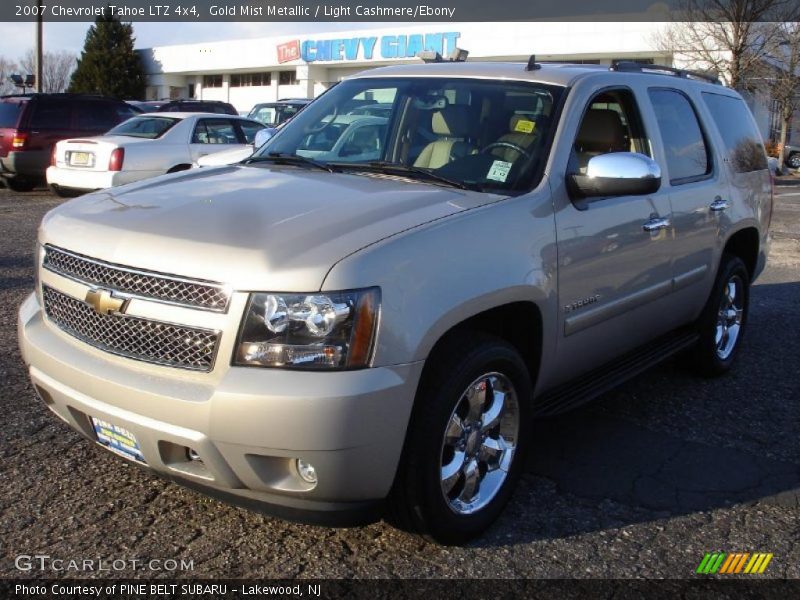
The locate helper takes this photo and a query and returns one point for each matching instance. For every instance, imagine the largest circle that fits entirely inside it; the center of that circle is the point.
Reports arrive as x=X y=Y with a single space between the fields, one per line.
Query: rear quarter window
x=9 y=113
x=743 y=144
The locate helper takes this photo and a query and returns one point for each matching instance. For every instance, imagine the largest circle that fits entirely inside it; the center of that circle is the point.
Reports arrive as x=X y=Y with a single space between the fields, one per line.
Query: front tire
x=467 y=440
x=722 y=324
x=794 y=160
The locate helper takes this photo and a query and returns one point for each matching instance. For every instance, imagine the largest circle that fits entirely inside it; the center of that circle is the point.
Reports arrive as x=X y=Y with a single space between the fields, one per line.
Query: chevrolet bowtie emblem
x=104 y=302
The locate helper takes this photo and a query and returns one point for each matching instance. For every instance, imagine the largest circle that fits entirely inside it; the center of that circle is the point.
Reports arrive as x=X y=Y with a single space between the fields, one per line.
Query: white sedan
x=145 y=146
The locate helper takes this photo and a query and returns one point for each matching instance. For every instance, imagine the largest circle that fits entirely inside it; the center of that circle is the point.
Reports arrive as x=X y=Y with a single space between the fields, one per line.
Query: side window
x=249 y=130
x=611 y=123
x=215 y=131
x=687 y=154
x=743 y=143
x=93 y=116
x=200 y=135
x=50 y=115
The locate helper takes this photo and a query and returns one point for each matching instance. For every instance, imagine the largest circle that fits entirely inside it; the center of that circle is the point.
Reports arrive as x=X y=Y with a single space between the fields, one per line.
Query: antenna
x=532 y=64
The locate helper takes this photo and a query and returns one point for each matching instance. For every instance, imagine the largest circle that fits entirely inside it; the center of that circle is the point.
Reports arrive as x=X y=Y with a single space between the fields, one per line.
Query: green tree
x=108 y=64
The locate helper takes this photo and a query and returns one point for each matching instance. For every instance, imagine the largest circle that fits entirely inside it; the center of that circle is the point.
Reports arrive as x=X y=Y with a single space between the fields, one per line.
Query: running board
x=594 y=383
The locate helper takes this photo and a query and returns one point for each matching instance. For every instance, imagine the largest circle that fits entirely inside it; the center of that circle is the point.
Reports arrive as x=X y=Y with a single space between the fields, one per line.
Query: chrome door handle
x=719 y=204
x=655 y=224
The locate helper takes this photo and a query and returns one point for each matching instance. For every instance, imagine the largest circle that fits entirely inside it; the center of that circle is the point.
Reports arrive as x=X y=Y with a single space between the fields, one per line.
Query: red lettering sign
x=289 y=51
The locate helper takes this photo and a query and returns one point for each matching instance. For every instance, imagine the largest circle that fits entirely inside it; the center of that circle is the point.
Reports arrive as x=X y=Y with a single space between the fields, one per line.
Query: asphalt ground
x=641 y=483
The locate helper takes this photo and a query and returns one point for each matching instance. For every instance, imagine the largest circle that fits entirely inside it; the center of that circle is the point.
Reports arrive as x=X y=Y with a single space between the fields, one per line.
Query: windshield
x=144 y=127
x=272 y=115
x=485 y=135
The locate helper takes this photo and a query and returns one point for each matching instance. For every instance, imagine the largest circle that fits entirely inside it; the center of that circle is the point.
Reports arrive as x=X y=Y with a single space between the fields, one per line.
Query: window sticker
x=525 y=126
x=499 y=170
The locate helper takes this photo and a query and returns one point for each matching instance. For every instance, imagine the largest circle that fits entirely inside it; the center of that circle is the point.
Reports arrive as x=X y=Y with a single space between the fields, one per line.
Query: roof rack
x=431 y=56
x=629 y=66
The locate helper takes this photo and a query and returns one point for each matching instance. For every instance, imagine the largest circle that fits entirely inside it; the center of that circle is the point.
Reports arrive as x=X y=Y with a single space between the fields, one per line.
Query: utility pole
x=39 y=52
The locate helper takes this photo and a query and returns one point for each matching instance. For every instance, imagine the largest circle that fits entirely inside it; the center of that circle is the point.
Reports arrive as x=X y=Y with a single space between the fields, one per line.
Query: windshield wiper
x=291 y=159
x=408 y=171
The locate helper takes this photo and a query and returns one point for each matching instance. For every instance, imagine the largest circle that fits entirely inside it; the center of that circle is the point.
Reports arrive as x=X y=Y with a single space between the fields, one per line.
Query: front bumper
x=248 y=426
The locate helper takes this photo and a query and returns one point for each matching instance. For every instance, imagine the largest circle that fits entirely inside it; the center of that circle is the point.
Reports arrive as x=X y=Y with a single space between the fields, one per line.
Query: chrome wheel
x=479 y=443
x=729 y=317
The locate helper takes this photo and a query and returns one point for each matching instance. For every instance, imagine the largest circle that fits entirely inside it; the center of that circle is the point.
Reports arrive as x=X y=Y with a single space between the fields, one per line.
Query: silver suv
x=332 y=338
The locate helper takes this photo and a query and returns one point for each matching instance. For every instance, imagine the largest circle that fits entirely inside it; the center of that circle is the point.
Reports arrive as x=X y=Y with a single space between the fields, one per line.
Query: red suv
x=31 y=124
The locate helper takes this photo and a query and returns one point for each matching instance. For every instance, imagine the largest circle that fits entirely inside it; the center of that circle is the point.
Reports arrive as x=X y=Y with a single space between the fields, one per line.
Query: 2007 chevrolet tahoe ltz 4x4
x=336 y=331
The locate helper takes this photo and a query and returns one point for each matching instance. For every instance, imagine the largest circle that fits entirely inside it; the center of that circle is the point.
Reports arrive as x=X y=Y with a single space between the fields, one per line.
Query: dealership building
x=247 y=71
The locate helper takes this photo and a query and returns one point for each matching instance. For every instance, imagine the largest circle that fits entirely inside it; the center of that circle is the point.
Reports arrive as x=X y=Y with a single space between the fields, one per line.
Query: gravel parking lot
x=641 y=483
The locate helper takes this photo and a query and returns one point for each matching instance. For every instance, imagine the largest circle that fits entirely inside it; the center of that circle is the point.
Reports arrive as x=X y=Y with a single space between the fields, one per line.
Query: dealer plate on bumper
x=117 y=439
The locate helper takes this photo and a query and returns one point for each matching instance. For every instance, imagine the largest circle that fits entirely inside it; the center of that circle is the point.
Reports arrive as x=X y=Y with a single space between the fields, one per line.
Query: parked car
x=334 y=338
x=273 y=114
x=145 y=146
x=205 y=106
x=792 y=156
x=31 y=124
x=146 y=106
x=352 y=137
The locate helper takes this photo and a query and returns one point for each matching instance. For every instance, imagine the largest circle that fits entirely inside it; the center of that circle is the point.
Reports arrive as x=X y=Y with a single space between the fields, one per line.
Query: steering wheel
x=512 y=145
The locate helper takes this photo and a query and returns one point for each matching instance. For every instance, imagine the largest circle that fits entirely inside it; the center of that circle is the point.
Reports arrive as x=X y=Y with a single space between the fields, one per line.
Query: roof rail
x=629 y=66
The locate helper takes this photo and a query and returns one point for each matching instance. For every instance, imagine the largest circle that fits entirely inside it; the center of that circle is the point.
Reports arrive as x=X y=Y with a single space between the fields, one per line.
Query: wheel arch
x=745 y=244
x=519 y=323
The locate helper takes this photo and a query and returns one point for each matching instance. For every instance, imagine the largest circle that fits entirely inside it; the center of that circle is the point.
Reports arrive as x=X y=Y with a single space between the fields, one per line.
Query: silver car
x=339 y=336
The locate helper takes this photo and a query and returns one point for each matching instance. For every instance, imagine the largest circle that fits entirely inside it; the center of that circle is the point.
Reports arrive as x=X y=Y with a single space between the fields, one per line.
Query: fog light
x=192 y=454
x=306 y=471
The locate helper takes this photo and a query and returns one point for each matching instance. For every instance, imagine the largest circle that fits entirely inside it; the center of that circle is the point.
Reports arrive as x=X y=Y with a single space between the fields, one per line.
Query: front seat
x=522 y=132
x=601 y=132
x=451 y=124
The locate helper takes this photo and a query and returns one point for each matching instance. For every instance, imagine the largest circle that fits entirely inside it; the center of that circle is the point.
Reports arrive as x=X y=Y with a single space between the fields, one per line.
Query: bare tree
x=729 y=37
x=784 y=84
x=7 y=67
x=57 y=69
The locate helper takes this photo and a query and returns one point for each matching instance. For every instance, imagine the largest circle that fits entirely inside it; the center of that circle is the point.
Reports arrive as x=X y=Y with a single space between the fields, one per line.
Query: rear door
x=697 y=187
x=213 y=135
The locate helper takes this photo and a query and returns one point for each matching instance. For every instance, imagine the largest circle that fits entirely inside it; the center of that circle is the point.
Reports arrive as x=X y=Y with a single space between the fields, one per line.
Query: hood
x=254 y=227
x=226 y=157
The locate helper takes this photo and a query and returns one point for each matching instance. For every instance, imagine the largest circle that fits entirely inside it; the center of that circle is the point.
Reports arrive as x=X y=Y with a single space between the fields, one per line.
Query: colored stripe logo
x=733 y=563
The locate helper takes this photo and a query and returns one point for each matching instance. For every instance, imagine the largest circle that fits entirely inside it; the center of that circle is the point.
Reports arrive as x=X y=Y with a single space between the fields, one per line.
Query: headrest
x=601 y=131
x=522 y=124
x=451 y=121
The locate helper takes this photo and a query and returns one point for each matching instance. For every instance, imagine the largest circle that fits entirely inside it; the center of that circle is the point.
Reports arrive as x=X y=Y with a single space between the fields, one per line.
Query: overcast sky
x=16 y=38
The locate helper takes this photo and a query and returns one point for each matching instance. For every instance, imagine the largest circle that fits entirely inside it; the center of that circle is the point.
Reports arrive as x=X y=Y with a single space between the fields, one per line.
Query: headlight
x=331 y=330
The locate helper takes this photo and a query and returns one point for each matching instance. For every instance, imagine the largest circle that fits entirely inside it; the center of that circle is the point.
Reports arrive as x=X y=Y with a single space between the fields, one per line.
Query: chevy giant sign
x=369 y=48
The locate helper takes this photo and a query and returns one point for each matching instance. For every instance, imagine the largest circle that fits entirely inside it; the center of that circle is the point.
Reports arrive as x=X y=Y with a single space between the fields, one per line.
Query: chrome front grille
x=133 y=337
x=161 y=287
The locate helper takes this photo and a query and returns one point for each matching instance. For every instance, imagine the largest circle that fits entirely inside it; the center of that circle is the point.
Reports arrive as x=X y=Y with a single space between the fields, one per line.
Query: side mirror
x=616 y=174
x=263 y=136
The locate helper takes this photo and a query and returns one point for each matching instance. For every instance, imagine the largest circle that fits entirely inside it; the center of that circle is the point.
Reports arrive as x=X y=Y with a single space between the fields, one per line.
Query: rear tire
x=64 y=193
x=466 y=444
x=722 y=323
x=794 y=160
